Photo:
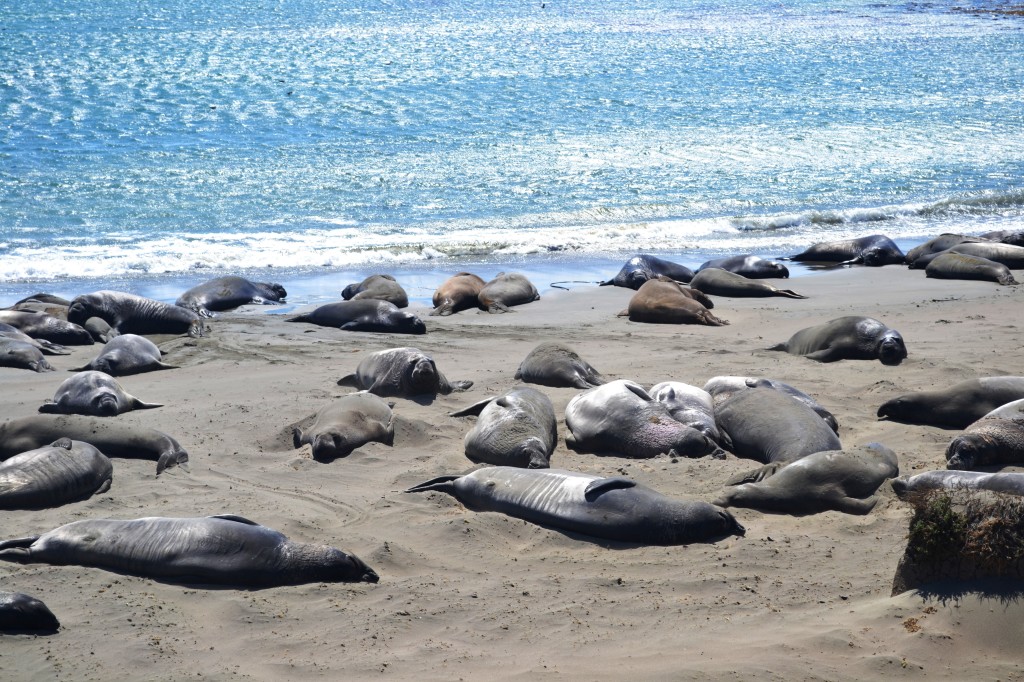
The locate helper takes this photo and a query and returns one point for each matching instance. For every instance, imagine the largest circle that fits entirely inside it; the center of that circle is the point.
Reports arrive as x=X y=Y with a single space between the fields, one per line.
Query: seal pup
x=47 y=327
x=555 y=364
x=956 y=406
x=227 y=293
x=219 y=550
x=93 y=393
x=112 y=438
x=517 y=429
x=621 y=418
x=724 y=387
x=458 y=292
x=831 y=480
x=125 y=355
x=21 y=613
x=131 y=314
x=403 y=373
x=664 y=301
x=345 y=425
x=22 y=355
x=952 y=265
x=507 y=289
x=874 y=250
x=716 y=282
x=65 y=471
x=642 y=267
x=365 y=315
x=617 y=508
x=380 y=287
x=688 y=405
x=853 y=337
x=987 y=442
x=747 y=265
x=1002 y=482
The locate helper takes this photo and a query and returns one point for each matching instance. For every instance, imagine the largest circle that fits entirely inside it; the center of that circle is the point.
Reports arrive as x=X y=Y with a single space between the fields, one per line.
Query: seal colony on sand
x=65 y=471
x=131 y=314
x=227 y=293
x=852 y=337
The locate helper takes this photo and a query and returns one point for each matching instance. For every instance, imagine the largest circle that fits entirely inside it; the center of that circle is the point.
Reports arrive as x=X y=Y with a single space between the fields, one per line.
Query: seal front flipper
x=235 y=517
x=473 y=410
x=444 y=484
x=603 y=485
x=18 y=550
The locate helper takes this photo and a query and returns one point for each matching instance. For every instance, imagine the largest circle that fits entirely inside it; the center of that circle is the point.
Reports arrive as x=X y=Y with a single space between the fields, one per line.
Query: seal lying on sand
x=125 y=355
x=366 y=315
x=458 y=292
x=222 y=550
x=641 y=268
x=770 y=426
x=724 y=387
x=555 y=364
x=346 y=424
x=874 y=250
x=847 y=338
x=1006 y=254
x=507 y=290
x=688 y=405
x=607 y=508
x=66 y=471
x=403 y=373
x=131 y=314
x=379 y=287
x=748 y=266
x=1010 y=483
x=11 y=332
x=227 y=293
x=517 y=429
x=943 y=242
x=22 y=613
x=47 y=327
x=952 y=265
x=987 y=442
x=93 y=393
x=716 y=282
x=956 y=406
x=663 y=301
x=22 y=355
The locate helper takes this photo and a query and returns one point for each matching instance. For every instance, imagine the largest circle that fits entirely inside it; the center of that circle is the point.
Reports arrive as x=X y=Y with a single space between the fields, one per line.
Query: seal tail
x=170 y=458
x=788 y=293
x=17 y=550
x=444 y=484
x=778 y=346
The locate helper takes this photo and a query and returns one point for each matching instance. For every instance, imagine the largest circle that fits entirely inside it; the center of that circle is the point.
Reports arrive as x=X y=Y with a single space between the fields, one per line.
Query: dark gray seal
x=21 y=613
x=346 y=424
x=110 y=437
x=615 y=509
x=555 y=364
x=45 y=347
x=227 y=293
x=663 y=301
x=517 y=429
x=379 y=287
x=688 y=405
x=366 y=315
x=458 y=292
x=219 y=550
x=951 y=265
x=987 y=443
x=1001 y=482
x=724 y=387
x=835 y=480
x=874 y=250
x=1015 y=237
x=936 y=245
x=65 y=471
x=44 y=326
x=402 y=373
x=131 y=314
x=853 y=337
x=956 y=406
x=126 y=355
x=770 y=426
x=93 y=393
x=22 y=355
x=641 y=268
x=620 y=418
x=1007 y=254
x=716 y=282
x=749 y=266
x=507 y=289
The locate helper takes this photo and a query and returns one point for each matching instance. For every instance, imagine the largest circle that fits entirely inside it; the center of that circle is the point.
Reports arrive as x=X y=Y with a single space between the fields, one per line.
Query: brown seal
x=458 y=292
x=951 y=265
x=505 y=290
x=665 y=301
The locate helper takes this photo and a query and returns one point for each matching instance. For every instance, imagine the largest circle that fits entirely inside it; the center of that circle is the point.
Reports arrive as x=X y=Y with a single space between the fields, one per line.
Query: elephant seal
x=1002 y=482
x=346 y=424
x=831 y=480
x=770 y=426
x=379 y=287
x=47 y=327
x=1011 y=410
x=507 y=290
x=1007 y=254
x=749 y=266
x=517 y=429
x=220 y=550
x=688 y=405
x=555 y=364
x=943 y=242
x=125 y=355
x=621 y=418
x=641 y=268
x=951 y=265
x=724 y=387
x=227 y=293
x=131 y=314
x=112 y=438
x=956 y=406
x=366 y=315
x=874 y=250
x=987 y=442
x=21 y=613
x=1015 y=237
x=93 y=393
x=11 y=332
x=663 y=301
x=403 y=373
x=716 y=282
x=65 y=471
x=617 y=508
x=847 y=338
x=22 y=355
x=458 y=292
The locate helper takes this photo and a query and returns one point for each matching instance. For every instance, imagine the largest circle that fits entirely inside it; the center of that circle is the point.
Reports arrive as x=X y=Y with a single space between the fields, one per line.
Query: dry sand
x=481 y=596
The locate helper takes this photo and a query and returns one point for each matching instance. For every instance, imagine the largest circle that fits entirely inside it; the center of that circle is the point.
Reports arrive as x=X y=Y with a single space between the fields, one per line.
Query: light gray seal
x=227 y=293
x=219 y=550
x=688 y=405
x=616 y=509
x=22 y=355
x=458 y=292
x=1011 y=410
x=853 y=337
x=834 y=480
x=125 y=355
x=956 y=406
x=131 y=314
x=507 y=289
x=380 y=287
x=770 y=426
x=110 y=437
x=621 y=418
x=21 y=613
x=663 y=301
x=1006 y=482
x=93 y=393
x=403 y=373
x=555 y=364
x=748 y=266
x=716 y=282
x=643 y=267
x=346 y=424
x=874 y=250
x=365 y=315
x=724 y=387
x=951 y=265
x=987 y=443
x=65 y=471
x=47 y=327
x=517 y=429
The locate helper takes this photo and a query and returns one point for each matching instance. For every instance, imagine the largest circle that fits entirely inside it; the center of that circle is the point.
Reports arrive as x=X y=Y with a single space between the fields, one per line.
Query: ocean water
x=151 y=146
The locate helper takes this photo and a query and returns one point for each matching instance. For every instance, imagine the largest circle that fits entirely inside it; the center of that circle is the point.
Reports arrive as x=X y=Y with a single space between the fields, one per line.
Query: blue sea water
x=151 y=146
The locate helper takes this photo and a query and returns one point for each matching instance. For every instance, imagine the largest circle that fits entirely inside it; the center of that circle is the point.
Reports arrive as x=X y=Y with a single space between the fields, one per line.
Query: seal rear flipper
x=622 y=313
x=140 y=405
x=603 y=485
x=788 y=293
x=50 y=407
x=779 y=346
x=235 y=517
x=444 y=484
x=299 y=318
x=172 y=458
x=349 y=380
x=444 y=309
x=164 y=365
x=297 y=438
x=457 y=387
x=496 y=307
x=473 y=410
x=756 y=475
x=18 y=550
x=51 y=348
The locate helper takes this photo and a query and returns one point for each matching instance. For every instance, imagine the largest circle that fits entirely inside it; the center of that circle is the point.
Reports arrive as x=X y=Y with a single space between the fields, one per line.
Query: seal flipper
x=756 y=475
x=784 y=346
x=297 y=438
x=444 y=484
x=18 y=550
x=299 y=318
x=51 y=348
x=61 y=443
x=170 y=458
x=49 y=407
x=140 y=405
x=788 y=293
x=603 y=485
x=473 y=410
x=235 y=517
x=349 y=380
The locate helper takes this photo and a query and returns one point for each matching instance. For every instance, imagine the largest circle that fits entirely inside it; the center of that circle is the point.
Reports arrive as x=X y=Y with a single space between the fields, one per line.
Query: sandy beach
x=481 y=596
